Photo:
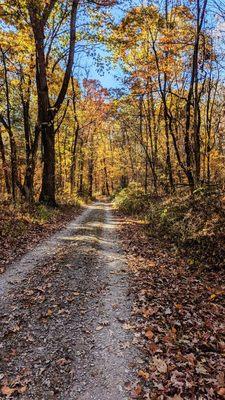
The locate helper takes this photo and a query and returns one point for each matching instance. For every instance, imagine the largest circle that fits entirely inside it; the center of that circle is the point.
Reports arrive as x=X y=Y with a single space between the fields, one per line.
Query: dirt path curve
x=69 y=299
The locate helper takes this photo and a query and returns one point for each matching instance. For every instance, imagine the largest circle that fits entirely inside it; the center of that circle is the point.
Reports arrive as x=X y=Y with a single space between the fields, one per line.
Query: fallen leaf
x=136 y=392
x=149 y=334
x=99 y=328
x=160 y=365
x=16 y=328
x=221 y=392
x=7 y=391
x=62 y=361
x=200 y=369
x=143 y=374
x=22 y=389
x=49 y=313
x=127 y=327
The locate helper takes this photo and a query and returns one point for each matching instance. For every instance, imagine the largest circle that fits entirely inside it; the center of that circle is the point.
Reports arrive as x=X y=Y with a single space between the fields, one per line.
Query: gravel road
x=64 y=315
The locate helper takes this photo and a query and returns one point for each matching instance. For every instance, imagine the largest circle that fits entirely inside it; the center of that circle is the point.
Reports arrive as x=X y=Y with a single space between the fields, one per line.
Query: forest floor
x=178 y=319
x=22 y=227
x=100 y=311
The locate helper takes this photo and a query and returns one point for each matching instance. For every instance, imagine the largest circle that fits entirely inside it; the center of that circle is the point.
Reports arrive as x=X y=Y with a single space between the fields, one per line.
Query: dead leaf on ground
x=136 y=392
x=7 y=391
x=221 y=392
x=160 y=365
x=149 y=334
x=99 y=328
x=143 y=374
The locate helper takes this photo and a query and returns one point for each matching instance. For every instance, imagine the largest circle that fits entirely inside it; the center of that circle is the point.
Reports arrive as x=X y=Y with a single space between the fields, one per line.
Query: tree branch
x=70 y=62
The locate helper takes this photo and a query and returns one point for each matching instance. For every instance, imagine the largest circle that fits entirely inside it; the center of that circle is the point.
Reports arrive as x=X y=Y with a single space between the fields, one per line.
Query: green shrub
x=131 y=200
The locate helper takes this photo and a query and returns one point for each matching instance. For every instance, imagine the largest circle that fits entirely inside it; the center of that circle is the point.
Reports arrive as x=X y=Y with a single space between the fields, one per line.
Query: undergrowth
x=22 y=225
x=193 y=225
x=16 y=217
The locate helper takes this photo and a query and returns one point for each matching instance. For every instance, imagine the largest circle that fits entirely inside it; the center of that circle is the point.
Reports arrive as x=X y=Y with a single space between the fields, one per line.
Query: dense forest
x=112 y=126
x=163 y=128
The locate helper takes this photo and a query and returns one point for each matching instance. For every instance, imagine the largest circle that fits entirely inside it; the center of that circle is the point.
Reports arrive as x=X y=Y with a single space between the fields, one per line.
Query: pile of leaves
x=22 y=226
x=177 y=321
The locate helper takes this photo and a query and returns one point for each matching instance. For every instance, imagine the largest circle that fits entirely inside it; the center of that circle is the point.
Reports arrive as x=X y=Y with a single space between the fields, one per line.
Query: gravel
x=65 y=310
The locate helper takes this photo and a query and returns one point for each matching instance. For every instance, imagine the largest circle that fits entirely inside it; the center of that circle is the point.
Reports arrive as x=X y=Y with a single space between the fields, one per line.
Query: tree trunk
x=90 y=177
x=47 y=195
x=74 y=147
x=81 y=172
x=28 y=185
x=46 y=113
x=106 y=178
x=4 y=165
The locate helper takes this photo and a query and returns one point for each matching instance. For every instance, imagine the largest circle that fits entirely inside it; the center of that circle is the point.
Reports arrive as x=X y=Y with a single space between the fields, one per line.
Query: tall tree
x=39 y=17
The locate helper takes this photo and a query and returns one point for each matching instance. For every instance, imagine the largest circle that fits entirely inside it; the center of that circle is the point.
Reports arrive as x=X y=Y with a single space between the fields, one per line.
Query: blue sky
x=109 y=75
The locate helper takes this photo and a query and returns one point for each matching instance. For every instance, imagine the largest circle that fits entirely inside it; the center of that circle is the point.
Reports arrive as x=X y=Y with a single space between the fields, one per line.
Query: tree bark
x=4 y=165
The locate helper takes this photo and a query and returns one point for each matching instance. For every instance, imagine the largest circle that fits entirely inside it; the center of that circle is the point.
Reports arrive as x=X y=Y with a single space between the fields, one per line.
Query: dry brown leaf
x=136 y=392
x=149 y=334
x=7 y=391
x=62 y=361
x=22 y=389
x=99 y=328
x=143 y=374
x=127 y=327
x=160 y=365
x=49 y=313
x=221 y=392
x=147 y=312
x=16 y=328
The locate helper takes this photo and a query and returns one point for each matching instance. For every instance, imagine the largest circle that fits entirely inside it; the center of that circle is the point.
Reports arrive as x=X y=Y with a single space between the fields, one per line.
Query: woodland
x=151 y=142
x=155 y=140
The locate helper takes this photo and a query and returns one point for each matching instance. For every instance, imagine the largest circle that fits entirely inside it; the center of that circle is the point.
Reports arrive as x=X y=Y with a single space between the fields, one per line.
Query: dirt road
x=64 y=315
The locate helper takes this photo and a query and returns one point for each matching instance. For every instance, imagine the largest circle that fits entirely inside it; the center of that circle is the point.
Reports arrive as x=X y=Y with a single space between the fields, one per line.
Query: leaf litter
x=178 y=321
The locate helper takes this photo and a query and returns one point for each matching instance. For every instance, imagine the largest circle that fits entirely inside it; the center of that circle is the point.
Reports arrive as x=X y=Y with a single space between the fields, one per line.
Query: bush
x=131 y=200
x=44 y=213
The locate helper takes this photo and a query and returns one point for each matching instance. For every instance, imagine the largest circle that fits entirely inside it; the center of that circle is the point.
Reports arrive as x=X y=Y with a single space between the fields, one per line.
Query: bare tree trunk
x=74 y=147
x=106 y=178
x=81 y=167
x=4 y=165
x=7 y=125
x=90 y=174
x=28 y=185
x=193 y=95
